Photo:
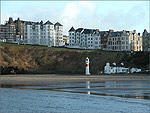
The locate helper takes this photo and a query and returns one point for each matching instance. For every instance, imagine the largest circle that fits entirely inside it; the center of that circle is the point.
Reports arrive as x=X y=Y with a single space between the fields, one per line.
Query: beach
x=47 y=78
x=75 y=93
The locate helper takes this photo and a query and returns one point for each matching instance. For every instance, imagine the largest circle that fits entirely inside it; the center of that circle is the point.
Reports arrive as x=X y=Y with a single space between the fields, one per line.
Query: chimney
x=97 y=30
x=134 y=31
x=111 y=30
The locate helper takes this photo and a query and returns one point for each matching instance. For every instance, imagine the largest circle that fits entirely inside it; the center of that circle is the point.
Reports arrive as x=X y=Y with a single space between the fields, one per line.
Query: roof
x=90 y=31
x=28 y=23
x=117 y=65
x=79 y=29
x=48 y=22
x=103 y=32
x=87 y=31
x=72 y=29
x=116 y=33
x=58 y=24
x=145 y=31
x=10 y=21
x=37 y=23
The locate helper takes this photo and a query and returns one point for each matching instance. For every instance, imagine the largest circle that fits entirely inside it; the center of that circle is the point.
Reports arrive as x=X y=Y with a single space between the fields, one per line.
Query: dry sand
x=53 y=78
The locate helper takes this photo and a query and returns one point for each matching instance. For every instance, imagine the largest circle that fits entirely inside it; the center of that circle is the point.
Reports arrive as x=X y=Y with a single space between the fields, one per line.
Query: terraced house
x=124 y=41
x=146 y=40
x=8 y=31
x=39 y=33
x=84 y=38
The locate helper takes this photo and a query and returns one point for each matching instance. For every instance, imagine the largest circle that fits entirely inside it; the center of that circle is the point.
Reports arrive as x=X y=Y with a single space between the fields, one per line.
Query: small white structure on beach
x=115 y=68
x=87 y=72
x=135 y=70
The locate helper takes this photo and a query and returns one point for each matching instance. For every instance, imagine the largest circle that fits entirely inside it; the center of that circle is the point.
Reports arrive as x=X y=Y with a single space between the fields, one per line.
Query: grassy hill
x=42 y=59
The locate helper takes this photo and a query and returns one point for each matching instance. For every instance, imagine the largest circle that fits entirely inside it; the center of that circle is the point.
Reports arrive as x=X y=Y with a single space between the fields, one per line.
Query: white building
x=124 y=41
x=135 y=70
x=113 y=69
x=47 y=34
x=58 y=35
x=84 y=38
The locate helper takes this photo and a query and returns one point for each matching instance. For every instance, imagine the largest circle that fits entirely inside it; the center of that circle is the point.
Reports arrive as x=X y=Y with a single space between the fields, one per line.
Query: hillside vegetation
x=41 y=59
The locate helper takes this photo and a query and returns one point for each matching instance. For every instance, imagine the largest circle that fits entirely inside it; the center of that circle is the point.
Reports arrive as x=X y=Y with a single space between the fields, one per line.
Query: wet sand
x=54 y=78
x=75 y=93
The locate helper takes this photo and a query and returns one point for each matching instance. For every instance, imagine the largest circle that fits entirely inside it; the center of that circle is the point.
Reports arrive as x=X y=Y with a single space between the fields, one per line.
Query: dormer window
x=41 y=26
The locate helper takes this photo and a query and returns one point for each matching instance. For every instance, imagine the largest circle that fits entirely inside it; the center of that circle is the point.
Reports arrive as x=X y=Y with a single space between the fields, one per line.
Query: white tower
x=87 y=66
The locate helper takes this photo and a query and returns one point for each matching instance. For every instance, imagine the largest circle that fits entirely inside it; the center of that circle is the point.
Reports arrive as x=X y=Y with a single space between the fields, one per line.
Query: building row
x=35 y=33
x=49 y=34
x=43 y=33
x=84 y=38
x=109 y=40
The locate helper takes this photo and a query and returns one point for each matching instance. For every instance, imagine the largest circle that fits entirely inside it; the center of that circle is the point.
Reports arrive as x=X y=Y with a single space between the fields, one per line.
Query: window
x=123 y=42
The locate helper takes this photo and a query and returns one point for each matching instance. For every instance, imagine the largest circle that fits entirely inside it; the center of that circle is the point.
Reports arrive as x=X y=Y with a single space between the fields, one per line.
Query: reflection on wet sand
x=125 y=89
x=88 y=87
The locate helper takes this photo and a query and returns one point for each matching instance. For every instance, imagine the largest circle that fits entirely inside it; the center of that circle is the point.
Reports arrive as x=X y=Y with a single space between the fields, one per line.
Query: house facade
x=124 y=41
x=20 y=28
x=84 y=38
x=39 y=33
x=12 y=31
x=58 y=37
x=146 y=40
x=104 y=39
x=8 y=31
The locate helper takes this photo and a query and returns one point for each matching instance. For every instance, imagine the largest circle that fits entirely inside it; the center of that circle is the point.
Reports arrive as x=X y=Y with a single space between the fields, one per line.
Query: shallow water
x=106 y=96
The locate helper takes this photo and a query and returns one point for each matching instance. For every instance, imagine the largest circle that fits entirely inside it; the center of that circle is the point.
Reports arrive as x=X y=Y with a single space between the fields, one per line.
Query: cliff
x=38 y=59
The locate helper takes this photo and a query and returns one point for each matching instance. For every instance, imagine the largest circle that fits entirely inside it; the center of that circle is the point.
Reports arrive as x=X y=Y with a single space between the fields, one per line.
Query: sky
x=102 y=15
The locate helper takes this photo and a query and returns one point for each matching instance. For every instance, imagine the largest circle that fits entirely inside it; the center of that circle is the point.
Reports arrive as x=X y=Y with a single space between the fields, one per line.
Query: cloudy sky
x=104 y=15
